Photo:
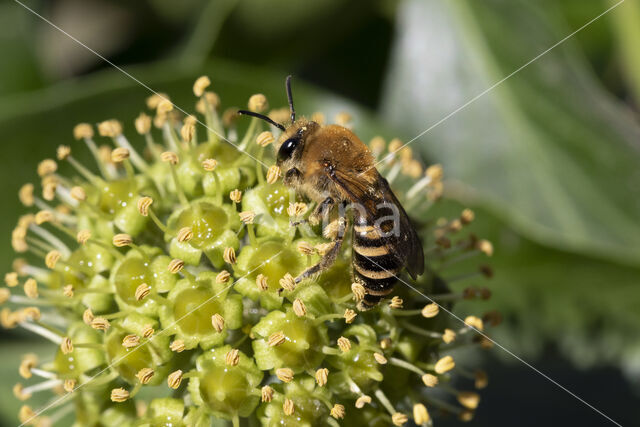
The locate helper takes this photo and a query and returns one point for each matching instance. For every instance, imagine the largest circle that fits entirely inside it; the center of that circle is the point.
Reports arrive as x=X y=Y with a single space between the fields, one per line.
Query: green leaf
x=548 y=149
x=584 y=305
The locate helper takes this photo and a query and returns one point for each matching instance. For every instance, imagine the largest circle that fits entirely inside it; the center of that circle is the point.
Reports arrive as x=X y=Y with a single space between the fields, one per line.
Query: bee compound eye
x=287 y=148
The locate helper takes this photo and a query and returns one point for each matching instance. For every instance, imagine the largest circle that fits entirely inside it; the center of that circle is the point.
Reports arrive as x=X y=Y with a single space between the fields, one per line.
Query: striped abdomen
x=373 y=266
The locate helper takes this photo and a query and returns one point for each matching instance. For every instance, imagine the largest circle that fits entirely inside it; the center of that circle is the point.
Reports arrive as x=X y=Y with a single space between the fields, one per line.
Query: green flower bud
x=192 y=307
x=226 y=391
x=302 y=346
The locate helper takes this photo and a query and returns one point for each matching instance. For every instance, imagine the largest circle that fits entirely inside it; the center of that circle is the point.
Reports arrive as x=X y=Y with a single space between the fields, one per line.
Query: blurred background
x=549 y=159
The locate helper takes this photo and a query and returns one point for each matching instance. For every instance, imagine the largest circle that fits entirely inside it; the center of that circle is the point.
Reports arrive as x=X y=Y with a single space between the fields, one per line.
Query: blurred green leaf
x=585 y=306
x=12 y=355
x=20 y=68
x=547 y=150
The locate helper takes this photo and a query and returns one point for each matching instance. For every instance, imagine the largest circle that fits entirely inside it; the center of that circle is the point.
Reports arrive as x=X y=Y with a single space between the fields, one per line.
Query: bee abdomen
x=373 y=267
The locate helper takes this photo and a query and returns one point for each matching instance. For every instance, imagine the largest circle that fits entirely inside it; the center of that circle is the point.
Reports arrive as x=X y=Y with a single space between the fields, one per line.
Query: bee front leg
x=331 y=255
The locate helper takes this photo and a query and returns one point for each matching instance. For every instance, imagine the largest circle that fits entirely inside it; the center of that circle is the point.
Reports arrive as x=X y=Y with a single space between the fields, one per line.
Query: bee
x=330 y=165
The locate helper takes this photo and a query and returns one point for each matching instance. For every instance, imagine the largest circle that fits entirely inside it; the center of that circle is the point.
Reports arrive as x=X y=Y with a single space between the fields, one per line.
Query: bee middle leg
x=320 y=211
x=331 y=255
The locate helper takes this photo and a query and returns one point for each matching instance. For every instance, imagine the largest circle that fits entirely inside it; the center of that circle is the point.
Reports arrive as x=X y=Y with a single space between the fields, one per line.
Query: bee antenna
x=290 y=98
x=263 y=117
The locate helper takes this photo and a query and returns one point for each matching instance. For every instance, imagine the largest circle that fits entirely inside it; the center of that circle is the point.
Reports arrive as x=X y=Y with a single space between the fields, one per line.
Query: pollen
x=481 y=379
x=31 y=288
x=68 y=291
x=26 y=195
x=218 y=322
x=78 y=193
x=69 y=385
x=87 y=316
x=130 y=341
x=349 y=315
x=288 y=282
x=83 y=131
x=322 y=376
x=262 y=282
x=485 y=247
x=399 y=418
x=169 y=157
x=52 y=258
x=420 y=414
x=119 y=155
x=258 y=103
x=11 y=279
x=235 y=196
x=266 y=394
x=299 y=308
x=164 y=107
x=177 y=346
x=284 y=374
x=344 y=344
x=144 y=375
x=143 y=205
x=44 y=217
x=154 y=100
x=18 y=392
x=47 y=167
x=209 y=164
x=288 y=407
x=448 y=336
x=380 y=358
x=362 y=401
x=297 y=209
x=110 y=128
x=175 y=266
x=474 y=322
x=143 y=124
x=430 y=380
x=265 y=138
x=148 y=331
x=223 y=276
x=430 y=310
x=174 y=379
x=5 y=294
x=200 y=85
x=337 y=411
x=63 y=152
x=358 y=291
x=184 y=234
x=444 y=365
x=100 y=323
x=434 y=172
x=232 y=357
x=273 y=173
x=29 y=361
x=469 y=399
x=305 y=248
x=247 y=217
x=121 y=240
x=187 y=132
x=396 y=302
x=229 y=256
x=276 y=338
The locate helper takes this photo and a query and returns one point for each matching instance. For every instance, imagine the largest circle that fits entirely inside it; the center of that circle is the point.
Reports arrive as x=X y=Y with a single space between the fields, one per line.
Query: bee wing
x=405 y=246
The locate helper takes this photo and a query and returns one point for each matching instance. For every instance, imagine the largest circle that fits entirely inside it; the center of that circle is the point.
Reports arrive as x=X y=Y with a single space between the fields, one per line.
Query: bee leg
x=318 y=213
x=328 y=258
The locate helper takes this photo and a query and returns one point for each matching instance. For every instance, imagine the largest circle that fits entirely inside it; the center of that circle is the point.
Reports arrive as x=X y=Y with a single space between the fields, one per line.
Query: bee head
x=293 y=137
